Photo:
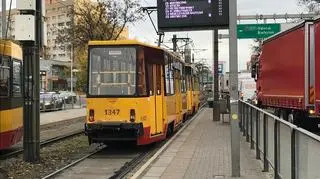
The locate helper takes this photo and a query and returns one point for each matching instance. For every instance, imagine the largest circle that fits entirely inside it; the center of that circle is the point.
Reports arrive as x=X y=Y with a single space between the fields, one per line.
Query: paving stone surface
x=203 y=150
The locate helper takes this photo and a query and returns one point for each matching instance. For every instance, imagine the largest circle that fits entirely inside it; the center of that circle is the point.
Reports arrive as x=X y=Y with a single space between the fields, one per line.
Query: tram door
x=157 y=85
x=178 y=96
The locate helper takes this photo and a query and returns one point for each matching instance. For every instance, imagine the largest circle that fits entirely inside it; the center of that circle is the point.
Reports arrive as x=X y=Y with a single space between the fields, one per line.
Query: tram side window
x=4 y=77
x=196 y=84
x=183 y=81
x=150 y=79
x=169 y=77
x=16 y=78
x=158 y=80
x=142 y=87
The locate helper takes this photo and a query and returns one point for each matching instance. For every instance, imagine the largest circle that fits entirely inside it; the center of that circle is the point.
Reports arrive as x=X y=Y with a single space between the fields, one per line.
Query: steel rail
x=98 y=149
x=42 y=144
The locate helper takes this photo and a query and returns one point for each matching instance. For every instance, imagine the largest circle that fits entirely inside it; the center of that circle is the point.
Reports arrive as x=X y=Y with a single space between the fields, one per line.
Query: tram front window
x=113 y=71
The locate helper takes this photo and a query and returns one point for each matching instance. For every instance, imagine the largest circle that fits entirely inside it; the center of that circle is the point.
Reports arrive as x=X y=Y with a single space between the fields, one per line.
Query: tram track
x=111 y=162
x=42 y=144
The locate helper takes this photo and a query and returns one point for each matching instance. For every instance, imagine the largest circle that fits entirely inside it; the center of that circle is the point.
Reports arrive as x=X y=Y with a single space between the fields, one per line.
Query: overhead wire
x=9 y=19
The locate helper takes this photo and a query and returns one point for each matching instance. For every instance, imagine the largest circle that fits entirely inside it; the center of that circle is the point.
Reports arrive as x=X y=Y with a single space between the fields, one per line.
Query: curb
x=163 y=148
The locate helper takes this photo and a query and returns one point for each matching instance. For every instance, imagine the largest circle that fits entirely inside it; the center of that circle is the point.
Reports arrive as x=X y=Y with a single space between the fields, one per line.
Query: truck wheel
x=284 y=115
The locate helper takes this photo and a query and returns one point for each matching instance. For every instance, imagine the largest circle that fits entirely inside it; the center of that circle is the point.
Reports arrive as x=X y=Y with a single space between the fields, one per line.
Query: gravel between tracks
x=53 y=157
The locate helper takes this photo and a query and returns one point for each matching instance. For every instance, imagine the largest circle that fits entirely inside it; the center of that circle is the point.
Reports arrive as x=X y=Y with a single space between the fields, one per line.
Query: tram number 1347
x=112 y=111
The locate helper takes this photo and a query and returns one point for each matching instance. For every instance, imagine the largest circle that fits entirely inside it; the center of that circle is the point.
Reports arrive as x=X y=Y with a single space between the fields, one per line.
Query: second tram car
x=11 y=104
x=136 y=92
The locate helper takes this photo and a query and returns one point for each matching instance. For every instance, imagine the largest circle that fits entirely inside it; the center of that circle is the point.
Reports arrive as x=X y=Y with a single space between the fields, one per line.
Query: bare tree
x=312 y=5
x=256 y=48
x=102 y=20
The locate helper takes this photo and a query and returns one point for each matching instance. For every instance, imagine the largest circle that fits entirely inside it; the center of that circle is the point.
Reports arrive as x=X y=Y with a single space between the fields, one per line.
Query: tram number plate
x=112 y=112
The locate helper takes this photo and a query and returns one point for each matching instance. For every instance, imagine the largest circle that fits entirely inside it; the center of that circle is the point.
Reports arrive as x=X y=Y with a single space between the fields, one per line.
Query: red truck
x=287 y=73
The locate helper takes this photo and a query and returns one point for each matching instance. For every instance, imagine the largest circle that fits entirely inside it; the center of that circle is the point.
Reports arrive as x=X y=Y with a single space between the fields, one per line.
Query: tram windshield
x=112 y=71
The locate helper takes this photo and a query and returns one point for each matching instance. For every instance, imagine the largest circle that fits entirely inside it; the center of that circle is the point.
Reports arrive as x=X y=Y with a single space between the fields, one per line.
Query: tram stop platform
x=202 y=151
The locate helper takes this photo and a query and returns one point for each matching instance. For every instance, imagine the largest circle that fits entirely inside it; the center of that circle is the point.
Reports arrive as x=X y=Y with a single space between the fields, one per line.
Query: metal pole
x=233 y=55
x=31 y=70
x=4 y=16
x=174 y=41
x=71 y=66
x=216 y=106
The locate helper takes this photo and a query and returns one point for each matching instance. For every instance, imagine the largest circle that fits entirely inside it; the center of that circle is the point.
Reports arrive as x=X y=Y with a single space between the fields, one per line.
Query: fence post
x=276 y=149
x=247 y=124
x=244 y=118
x=241 y=116
x=251 y=128
x=72 y=102
x=44 y=105
x=293 y=153
x=257 y=134
x=80 y=102
x=54 y=105
x=265 y=143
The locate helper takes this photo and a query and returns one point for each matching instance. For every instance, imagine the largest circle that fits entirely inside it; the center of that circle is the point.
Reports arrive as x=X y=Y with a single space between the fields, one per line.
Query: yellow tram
x=11 y=104
x=193 y=92
x=136 y=92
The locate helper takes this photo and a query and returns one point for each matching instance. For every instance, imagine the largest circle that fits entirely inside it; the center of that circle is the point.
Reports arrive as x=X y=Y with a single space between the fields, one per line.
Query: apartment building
x=57 y=18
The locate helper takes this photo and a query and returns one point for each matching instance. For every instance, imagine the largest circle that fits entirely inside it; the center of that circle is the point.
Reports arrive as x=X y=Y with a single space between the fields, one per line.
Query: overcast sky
x=203 y=39
x=144 y=31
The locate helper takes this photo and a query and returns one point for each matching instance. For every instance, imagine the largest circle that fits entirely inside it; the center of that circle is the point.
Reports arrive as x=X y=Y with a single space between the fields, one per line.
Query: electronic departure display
x=177 y=15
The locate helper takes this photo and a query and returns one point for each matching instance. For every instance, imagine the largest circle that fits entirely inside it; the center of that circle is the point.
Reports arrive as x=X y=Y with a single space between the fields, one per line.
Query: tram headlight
x=132 y=115
x=312 y=112
x=91 y=115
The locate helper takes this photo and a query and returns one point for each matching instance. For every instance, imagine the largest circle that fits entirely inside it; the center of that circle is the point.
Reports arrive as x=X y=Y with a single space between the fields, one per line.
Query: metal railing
x=60 y=103
x=292 y=152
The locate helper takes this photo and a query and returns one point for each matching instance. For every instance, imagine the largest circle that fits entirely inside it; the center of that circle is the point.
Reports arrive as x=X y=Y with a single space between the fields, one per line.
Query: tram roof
x=128 y=42
x=9 y=48
x=121 y=42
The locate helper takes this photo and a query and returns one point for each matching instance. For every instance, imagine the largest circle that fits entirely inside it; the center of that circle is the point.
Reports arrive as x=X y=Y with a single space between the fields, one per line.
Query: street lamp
x=71 y=66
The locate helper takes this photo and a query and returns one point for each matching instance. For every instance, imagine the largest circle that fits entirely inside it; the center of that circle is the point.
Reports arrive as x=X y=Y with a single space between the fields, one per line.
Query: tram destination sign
x=180 y=15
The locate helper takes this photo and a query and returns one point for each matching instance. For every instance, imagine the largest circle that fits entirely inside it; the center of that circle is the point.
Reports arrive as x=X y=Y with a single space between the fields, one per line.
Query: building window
x=61 y=16
x=68 y=23
x=61 y=24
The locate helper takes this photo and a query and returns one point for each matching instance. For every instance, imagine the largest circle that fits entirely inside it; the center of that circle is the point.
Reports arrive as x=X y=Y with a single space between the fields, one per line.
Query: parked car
x=50 y=101
x=68 y=96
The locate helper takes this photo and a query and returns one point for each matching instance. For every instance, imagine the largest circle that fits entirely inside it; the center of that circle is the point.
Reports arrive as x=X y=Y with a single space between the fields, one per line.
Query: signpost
x=257 y=31
x=179 y=15
x=233 y=78
x=182 y=15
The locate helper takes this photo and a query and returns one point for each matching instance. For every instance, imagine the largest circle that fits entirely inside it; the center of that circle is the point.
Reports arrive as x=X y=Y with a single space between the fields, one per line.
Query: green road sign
x=257 y=31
